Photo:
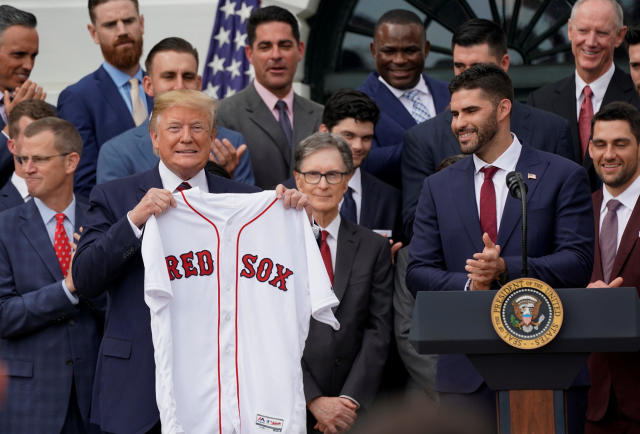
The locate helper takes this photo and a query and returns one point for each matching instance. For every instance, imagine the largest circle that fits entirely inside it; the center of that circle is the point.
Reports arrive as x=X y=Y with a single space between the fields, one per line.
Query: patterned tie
x=488 y=219
x=584 y=120
x=138 y=110
x=285 y=124
x=609 y=238
x=184 y=185
x=420 y=111
x=326 y=255
x=348 y=208
x=61 y=245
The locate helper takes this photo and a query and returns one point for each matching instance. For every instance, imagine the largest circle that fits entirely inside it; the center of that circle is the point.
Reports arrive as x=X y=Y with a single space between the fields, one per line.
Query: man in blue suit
x=109 y=259
x=466 y=233
x=49 y=335
x=171 y=64
x=403 y=93
x=428 y=143
x=111 y=99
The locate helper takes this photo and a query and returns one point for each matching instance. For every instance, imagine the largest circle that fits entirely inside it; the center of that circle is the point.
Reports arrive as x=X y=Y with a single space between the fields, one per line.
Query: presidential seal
x=526 y=313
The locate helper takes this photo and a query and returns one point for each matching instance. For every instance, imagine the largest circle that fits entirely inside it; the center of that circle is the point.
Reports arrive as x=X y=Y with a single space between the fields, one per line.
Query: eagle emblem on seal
x=526 y=310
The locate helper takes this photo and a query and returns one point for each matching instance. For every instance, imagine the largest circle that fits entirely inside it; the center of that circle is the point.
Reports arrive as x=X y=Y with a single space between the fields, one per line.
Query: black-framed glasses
x=332 y=177
x=38 y=159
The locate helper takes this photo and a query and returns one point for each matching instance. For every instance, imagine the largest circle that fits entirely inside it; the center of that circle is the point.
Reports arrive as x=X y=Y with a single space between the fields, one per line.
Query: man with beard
x=110 y=100
x=466 y=233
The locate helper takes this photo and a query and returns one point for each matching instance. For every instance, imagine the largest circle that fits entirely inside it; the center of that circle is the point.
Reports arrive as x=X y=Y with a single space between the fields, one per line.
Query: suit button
x=69 y=362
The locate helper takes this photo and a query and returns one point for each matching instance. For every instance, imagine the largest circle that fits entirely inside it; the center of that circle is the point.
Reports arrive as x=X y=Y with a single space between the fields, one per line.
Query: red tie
x=61 y=245
x=584 y=120
x=488 y=220
x=326 y=255
x=184 y=185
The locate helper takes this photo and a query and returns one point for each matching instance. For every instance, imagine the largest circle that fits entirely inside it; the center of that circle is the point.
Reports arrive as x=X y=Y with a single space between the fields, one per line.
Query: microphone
x=518 y=189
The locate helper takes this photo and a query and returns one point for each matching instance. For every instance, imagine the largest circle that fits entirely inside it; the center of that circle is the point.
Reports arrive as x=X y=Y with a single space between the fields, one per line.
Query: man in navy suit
x=404 y=94
x=49 y=335
x=15 y=191
x=171 y=64
x=109 y=259
x=111 y=99
x=428 y=143
x=466 y=233
x=18 y=51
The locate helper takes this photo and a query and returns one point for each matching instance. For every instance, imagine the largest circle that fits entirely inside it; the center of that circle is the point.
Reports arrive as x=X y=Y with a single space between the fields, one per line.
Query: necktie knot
x=412 y=94
x=323 y=235
x=60 y=218
x=613 y=205
x=587 y=91
x=489 y=171
x=281 y=105
x=183 y=186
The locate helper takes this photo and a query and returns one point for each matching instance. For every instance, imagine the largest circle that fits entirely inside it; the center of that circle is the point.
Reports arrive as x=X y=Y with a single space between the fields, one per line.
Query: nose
x=179 y=83
x=121 y=27
x=609 y=153
x=186 y=134
x=28 y=62
x=29 y=167
x=591 y=39
x=323 y=182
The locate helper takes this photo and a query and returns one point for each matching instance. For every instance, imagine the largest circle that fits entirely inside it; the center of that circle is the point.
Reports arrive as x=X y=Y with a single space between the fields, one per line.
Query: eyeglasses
x=38 y=159
x=331 y=177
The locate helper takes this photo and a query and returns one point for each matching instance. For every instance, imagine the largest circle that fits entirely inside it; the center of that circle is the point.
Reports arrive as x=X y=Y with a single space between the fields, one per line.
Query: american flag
x=227 y=69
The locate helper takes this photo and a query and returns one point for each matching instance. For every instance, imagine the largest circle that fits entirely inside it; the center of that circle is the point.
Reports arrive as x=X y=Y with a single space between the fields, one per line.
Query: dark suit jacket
x=94 y=106
x=616 y=374
x=430 y=142
x=350 y=361
x=384 y=159
x=271 y=155
x=9 y=196
x=108 y=260
x=6 y=159
x=380 y=206
x=447 y=232
x=46 y=341
x=560 y=98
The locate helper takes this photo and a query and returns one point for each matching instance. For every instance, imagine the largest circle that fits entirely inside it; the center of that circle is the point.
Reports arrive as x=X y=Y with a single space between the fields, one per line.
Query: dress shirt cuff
x=72 y=297
x=136 y=230
x=467 y=285
x=350 y=399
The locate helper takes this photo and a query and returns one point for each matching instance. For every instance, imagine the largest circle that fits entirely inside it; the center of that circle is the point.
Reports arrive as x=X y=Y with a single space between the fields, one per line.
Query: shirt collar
x=333 y=227
x=628 y=198
x=355 y=183
x=270 y=99
x=121 y=78
x=420 y=86
x=598 y=86
x=21 y=185
x=506 y=161
x=171 y=181
x=47 y=213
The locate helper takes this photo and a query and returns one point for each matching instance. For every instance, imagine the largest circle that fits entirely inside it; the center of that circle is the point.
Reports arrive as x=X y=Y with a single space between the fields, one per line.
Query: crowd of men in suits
x=79 y=181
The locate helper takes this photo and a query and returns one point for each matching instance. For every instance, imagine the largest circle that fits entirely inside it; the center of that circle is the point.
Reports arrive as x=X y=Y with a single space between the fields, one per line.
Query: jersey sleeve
x=157 y=288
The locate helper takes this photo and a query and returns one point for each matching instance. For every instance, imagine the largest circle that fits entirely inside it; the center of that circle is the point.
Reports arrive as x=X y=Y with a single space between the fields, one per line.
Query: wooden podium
x=530 y=383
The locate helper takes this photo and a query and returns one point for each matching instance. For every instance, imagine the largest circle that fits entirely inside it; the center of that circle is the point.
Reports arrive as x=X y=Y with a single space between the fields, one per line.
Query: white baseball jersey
x=231 y=281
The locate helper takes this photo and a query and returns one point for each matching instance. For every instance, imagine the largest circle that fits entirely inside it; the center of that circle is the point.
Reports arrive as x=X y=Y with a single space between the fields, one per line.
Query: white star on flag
x=222 y=37
x=244 y=12
x=217 y=64
x=229 y=9
x=240 y=40
x=234 y=68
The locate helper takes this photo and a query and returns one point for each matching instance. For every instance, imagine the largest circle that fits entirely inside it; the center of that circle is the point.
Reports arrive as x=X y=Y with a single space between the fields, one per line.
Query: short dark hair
x=619 y=111
x=349 y=103
x=10 y=16
x=270 y=14
x=31 y=108
x=170 y=44
x=486 y=76
x=633 y=35
x=480 y=31
x=398 y=16
x=93 y=3
x=319 y=141
x=66 y=138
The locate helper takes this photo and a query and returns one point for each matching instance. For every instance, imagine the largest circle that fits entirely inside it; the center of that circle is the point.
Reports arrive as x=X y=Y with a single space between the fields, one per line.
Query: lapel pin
x=531 y=176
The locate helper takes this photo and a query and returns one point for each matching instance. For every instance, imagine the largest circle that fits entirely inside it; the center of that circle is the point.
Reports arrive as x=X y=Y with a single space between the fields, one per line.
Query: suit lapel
x=150 y=180
x=463 y=183
x=619 y=89
x=367 y=208
x=34 y=230
x=392 y=105
x=628 y=241
x=347 y=247
x=520 y=122
x=110 y=93
x=597 y=260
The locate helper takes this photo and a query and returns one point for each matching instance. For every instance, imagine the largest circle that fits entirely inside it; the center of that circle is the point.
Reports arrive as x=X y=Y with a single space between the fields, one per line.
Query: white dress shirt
x=21 y=185
x=355 y=183
x=628 y=199
x=598 y=87
x=332 y=238
x=425 y=95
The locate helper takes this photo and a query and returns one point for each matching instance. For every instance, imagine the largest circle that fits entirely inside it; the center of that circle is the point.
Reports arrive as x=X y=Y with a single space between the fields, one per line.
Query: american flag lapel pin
x=531 y=176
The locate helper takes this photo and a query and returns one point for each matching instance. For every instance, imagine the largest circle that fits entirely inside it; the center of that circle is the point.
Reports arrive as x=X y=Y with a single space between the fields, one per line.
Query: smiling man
x=268 y=113
x=404 y=94
x=595 y=30
x=111 y=99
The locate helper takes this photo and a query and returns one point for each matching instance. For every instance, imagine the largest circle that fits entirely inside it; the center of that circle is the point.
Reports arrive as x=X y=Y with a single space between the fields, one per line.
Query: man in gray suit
x=270 y=116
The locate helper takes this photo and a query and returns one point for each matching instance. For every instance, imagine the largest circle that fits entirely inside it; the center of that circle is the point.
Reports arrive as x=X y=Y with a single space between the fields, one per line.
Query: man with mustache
x=110 y=100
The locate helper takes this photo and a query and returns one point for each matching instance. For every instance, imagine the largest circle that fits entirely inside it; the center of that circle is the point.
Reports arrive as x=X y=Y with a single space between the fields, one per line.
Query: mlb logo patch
x=269 y=423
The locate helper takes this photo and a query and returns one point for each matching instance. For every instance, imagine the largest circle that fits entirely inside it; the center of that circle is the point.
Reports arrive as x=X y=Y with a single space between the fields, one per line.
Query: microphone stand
x=518 y=189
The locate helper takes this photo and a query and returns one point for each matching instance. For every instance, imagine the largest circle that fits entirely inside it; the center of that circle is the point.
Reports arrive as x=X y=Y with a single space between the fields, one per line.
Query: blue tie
x=348 y=208
x=285 y=124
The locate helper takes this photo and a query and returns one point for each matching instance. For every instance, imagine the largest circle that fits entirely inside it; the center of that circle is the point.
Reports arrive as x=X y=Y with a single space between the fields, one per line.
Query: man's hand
x=334 y=414
x=485 y=267
x=394 y=249
x=68 y=280
x=27 y=90
x=225 y=155
x=615 y=283
x=155 y=202
x=292 y=198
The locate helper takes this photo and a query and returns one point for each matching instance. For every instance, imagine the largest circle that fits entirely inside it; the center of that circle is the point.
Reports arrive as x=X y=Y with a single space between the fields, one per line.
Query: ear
x=299 y=179
x=427 y=47
x=372 y=48
x=300 y=50
x=11 y=144
x=248 y=51
x=93 y=33
x=504 y=109
x=72 y=162
x=505 y=62
x=141 y=24
x=620 y=35
x=147 y=85
x=323 y=128
x=154 y=141
x=199 y=81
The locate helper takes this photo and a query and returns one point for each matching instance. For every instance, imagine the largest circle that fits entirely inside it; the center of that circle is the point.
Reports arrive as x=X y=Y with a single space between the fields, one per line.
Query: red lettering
x=248 y=271
x=187 y=265
x=205 y=262
x=172 y=267
x=280 y=281
x=264 y=269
